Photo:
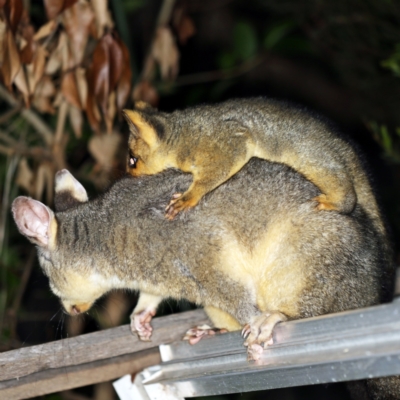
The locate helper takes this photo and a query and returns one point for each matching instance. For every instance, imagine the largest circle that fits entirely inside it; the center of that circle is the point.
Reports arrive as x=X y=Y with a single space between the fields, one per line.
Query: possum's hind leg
x=258 y=332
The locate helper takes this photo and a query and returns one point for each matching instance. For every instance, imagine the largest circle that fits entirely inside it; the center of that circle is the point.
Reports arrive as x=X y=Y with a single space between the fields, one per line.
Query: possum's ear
x=35 y=221
x=68 y=191
x=143 y=126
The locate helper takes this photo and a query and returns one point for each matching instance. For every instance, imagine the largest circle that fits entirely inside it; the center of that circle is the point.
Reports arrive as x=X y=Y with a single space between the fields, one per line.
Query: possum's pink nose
x=75 y=310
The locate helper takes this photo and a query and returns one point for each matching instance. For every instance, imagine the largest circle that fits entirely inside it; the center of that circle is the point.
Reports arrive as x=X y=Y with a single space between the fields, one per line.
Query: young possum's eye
x=132 y=161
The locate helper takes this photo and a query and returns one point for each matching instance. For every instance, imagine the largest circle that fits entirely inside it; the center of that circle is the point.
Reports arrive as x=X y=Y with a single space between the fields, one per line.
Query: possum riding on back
x=213 y=142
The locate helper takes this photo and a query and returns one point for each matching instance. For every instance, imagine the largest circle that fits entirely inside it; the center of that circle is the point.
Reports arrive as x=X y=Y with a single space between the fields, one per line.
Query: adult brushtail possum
x=253 y=252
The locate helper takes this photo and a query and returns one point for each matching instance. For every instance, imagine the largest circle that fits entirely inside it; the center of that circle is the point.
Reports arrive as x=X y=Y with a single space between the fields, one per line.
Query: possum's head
x=149 y=152
x=70 y=275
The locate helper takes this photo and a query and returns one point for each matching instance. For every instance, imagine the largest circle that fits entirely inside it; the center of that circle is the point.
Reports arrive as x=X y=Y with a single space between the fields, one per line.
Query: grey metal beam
x=346 y=346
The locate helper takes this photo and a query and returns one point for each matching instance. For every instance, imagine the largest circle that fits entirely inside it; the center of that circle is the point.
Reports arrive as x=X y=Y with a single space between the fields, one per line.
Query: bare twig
x=13 y=311
x=210 y=76
x=38 y=153
x=10 y=113
x=11 y=167
x=5 y=137
x=41 y=127
x=8 y=151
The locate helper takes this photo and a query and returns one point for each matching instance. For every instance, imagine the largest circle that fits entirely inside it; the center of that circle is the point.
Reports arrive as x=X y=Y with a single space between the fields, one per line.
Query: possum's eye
x=132 y=161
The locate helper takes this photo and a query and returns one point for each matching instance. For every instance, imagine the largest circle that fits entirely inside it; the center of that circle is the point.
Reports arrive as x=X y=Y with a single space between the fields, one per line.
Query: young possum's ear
x=68 y=191
x=141 y=128
x=35 y=221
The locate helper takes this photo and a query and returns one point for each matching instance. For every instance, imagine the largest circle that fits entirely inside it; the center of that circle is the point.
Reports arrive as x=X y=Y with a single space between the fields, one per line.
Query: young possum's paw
x=179 y=202
x=324 y=203
x=194 y=335
x=140 y=324
x=258 y=333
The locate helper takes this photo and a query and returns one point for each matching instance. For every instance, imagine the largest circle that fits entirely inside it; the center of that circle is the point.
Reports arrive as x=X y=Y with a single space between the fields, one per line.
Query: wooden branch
x=55 y=380
x=89 y=358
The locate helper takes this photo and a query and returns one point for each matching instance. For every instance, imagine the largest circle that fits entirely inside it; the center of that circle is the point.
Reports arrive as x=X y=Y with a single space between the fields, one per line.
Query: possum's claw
x=180 y=202
x=259 y=333
x=194 y=335
x=140 y=324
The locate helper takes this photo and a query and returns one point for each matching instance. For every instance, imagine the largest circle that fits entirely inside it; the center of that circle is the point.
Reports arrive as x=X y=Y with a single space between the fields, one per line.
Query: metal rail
x=339 y=347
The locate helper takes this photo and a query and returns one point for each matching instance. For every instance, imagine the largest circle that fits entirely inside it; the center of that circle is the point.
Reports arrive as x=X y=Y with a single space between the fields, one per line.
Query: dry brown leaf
x=55 y=7
x=104 y=148
x=76 y=120
x=44 y=180
x=57 y=56
x=77 y=21
x=185 y=29
x=21 y=83
x=45 y=30
x=166 y=53
x=144 y=91
x=27 y=45
x=13 y=10
x=80 y=76
x=102 y=17
x=111 y=111
x=45 y=91
x=36 y=69
x=116 y=58
x=91 y=108
x=69 y=89
x=58 y=99
x=124 y=84
x=25 y=176
x=11 y=62
x=183 y=25
x=62 y=114
x=99 y=82
x=27 y=51
x=3 y=28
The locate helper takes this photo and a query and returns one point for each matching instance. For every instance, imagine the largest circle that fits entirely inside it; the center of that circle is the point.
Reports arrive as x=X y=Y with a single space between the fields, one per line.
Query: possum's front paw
x=140 y=324
x=258 y=333
x=180 y=202
x=194 y=335
x=325 y=204
x=341 y=202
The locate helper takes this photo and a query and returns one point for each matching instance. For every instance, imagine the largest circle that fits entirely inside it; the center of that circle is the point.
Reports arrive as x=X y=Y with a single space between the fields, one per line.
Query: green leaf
x=226 y=60
x=245 y=41
x=131 y=6
x=393 y=62
x=275 y=34
x=294 y=45
x=386 y=139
